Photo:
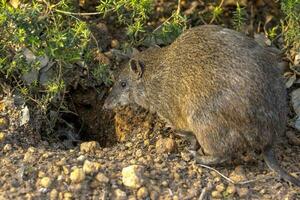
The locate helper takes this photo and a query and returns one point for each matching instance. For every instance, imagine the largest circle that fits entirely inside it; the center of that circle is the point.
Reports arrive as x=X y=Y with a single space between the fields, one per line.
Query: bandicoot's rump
x=215 y=82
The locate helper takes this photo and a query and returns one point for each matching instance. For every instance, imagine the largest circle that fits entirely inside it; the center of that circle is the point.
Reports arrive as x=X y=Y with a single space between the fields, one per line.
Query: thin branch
x=178 y=7
x=225 y=177
x=78 y=14
x=230 y=180
x=167 y=20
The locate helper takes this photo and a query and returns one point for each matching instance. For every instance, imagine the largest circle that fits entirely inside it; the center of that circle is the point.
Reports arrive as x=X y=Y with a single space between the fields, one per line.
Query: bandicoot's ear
x=137 y=67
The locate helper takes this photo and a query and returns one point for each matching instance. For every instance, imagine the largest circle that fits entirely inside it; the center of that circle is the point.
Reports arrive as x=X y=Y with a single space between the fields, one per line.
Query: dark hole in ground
x=93 y=122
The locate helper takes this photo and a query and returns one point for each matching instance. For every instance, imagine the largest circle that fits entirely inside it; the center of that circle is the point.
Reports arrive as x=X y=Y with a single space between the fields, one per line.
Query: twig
x=225 y=177
x=230 y=180
x=78 y=14
x=178 y=7
x=177 y=13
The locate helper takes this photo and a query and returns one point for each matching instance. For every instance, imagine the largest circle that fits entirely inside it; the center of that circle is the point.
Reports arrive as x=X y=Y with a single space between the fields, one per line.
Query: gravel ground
x=153 y=164
x=147 y=162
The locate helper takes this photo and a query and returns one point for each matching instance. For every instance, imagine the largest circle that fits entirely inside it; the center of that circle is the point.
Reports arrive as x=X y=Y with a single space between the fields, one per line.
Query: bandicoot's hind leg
x=210 y=160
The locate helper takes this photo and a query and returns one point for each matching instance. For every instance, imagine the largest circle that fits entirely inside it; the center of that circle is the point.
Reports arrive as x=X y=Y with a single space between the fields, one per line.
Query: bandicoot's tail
x=273 y=164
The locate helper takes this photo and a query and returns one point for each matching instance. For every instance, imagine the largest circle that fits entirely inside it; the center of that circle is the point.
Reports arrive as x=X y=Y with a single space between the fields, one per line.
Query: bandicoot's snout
x=108 y=101
x=108 y=104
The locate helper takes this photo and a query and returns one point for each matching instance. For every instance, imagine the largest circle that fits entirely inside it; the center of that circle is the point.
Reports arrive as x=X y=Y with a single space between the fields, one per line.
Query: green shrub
x=238 y=17
x=133 y=13
x=40 y=49
x=291 y=24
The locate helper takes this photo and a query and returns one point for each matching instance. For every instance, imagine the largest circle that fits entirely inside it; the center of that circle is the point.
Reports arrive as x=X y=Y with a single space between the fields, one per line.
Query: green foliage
x=100 y=72
x=238 y=17
x=272 y=33
x=133 y=13
x=170 y=29
x=136 y=13
x=291 y=24
x=39 y=48
x=216 y=13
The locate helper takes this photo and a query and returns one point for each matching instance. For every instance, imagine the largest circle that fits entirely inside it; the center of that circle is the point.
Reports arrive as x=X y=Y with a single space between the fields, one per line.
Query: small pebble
x=3 y=123
x=220 y=187
x=165 y=145
x=231 y=189
x=7 y=148
x=142 y=193
x=102 y=178
x=2 y=136
x=77 y=175
x=90 y=167
x=216 y=194
x=186 y=156
x=45 y=182
x=53 y=194
x=238 y=175
x=154 y=195
x=68 y=195
x=89 y=147
x=119 y=195
x=115 y=44
x=81 y=158
x=132 y=176
x=243 y=192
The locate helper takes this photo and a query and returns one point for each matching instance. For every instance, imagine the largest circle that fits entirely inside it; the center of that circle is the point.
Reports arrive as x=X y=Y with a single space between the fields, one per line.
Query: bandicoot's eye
x=123 y=84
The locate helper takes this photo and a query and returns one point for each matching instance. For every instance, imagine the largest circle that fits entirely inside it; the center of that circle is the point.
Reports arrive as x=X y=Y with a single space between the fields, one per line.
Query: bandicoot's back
x=218 y=84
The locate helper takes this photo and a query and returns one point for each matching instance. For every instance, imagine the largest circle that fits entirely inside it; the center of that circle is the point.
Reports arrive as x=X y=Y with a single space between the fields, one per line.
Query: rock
x=102 y=178
x=89 y=147
x=91 y=167
x=3 y=123
x=45 y=182
x=77 y=175
x=25 y=117
x=119 y=195
x=81 y=158
x=238 y=175
x=231 y=189
x=220 y=187
x=115 y=44
x=142 y=193
x=216 y=194
x=186 y=156
x=68 y=195
x=243 y=192
x=53 y=194
x=139 y=153
x=131 y=197
x=165 y=145
x=28 y=157
x=165 y=183
x=132 y=176
x=154 y=195
x=7 y=148
x=234 y=2
x=2 y=136
x=94 y=184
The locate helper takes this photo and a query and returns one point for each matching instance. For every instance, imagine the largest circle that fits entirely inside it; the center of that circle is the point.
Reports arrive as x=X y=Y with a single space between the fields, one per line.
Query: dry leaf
x=290 y=81
x=296 y=101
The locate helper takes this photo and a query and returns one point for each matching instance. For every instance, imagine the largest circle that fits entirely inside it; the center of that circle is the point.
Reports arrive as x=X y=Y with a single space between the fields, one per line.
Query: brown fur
x=214 y=82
